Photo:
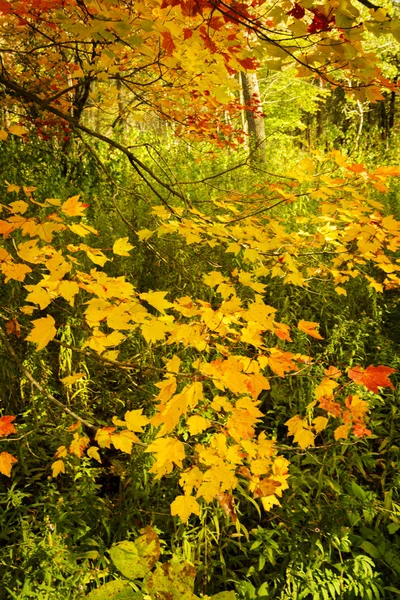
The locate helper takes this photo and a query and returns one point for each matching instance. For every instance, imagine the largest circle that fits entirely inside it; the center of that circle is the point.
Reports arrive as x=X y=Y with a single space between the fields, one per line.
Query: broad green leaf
x=173 y=580
x=114 y=590
x=135 y=559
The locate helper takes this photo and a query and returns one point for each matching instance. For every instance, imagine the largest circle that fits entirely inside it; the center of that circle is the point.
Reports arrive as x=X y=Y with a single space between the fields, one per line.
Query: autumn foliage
x=223 y=345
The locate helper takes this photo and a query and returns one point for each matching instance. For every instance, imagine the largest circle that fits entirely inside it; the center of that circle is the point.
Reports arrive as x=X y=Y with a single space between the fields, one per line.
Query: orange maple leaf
x=6 y=426
x=372 y=377
x=6 y=462
x=168 y=43
x=310 y=328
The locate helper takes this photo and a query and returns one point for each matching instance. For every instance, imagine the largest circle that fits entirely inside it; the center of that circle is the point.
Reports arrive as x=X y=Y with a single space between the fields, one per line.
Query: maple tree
x=219 y=354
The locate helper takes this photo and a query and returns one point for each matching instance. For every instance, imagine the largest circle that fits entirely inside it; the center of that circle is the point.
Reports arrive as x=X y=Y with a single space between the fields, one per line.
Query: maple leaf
x=184 y=506
x=62 y=452
x=191 y=479
x=325 y=388
x=372 y=377
x=266 y=487
x=68 y=290
x=19 y=206
x=104 y=436
x=124 y=440
x=93 y=452
x=135 y=420
x=70 y=379
x=167 y=42
x=78 y=444
x=227 y=501
x=58 y=467
x=342 y=432
x=43 y=332
x=304 y=437
x=13 y=327
x=122 y=246
x=6 y=426
x=17 y=130
x=309 y=328
x=6 y=462
x=157 y=300
x=168 y=451
x=173 y=364
x=197 y=424
x=73 y=208
x=320 y=424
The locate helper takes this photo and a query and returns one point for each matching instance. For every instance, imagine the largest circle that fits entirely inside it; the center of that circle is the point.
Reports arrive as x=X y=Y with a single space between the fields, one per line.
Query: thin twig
x=38 y=386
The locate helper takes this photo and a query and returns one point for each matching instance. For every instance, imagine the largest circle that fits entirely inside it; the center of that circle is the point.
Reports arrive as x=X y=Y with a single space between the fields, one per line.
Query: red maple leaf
x=320 y=22
x=6 y=426
x=297 y=11
x=248 y=63
x=5 y=7
x=372 y=377
x=168 y=43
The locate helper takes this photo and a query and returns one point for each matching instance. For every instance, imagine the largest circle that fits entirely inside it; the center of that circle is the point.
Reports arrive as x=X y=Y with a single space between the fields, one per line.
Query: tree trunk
x=254 y=118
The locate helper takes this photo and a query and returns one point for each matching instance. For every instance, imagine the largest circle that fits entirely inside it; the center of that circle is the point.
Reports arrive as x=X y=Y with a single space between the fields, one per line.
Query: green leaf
x=114 y=590
x=173 y=580
x=371 y=549
x=224 y=596
x=135 y=559
x=393 y=527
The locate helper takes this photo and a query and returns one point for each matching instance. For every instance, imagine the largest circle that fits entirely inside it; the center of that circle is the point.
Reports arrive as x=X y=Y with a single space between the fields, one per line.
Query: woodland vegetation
x=199 y=314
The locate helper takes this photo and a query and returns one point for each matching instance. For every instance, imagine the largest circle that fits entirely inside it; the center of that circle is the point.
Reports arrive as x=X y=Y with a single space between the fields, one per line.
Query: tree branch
x=38 y=386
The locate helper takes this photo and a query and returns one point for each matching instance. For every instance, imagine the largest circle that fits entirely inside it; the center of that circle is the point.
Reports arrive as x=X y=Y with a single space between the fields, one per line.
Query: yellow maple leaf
x=73 y=208
x=58 y=266
x=17 y=130
x=43 y=332
x=122 y=247
x=6 y=462
x=104 y=436
x=3 y=135
x=93 y=452
x=213 y=278
x=144 y=234
x=325 y=388
x=294 y=424
x=135 y=420
x=191 y=479
x=342 y=432
x=173 y=364
x=15 y=271
x=304 y=437
x=38 y=295
x=320 y=424
x=341 y=291
x=124 y=441
x=184 y=506
x=197 y=424
x=19 y=206
x=168 y=451
x=30 y=251
x=62 y=452
x=168 y=388
x=310 y=328
x=154 y=330
x=157 y=300
x=70 y=379
x=82 y=230
x=68 y=290
x=58 y=467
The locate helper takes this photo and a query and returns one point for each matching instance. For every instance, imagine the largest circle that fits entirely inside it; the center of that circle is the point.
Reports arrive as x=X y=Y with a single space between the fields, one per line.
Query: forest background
x=199 y=304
